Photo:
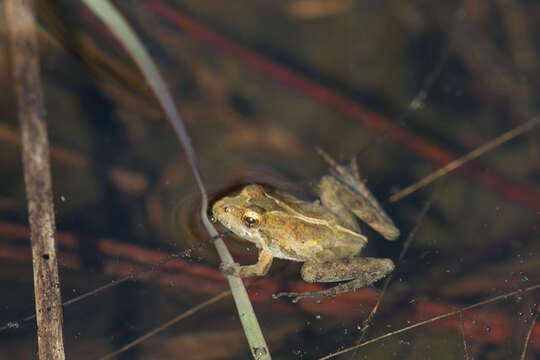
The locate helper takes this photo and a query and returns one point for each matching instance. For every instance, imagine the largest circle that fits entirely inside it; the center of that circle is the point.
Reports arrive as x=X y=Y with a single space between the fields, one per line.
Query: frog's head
x=242 y=213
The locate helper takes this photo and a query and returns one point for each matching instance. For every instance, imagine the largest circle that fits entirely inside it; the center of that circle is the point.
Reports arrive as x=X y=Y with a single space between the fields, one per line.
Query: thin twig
x=416 y=103
x=419 y=99
x=37 y=177
x=434 y=319
x=148 y=268
x=534 y=317
x=465 y=349
x=367 y=322
x=169 y=323
x=490 y=145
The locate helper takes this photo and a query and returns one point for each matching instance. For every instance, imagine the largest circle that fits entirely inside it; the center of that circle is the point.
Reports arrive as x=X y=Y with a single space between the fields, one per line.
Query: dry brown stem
x=37 y=176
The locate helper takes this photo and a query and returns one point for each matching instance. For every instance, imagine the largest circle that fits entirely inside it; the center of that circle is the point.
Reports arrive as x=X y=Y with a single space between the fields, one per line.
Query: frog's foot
x=235 y=269
x=299 y=295
x=229 y=268
x=349 y=286
x=259 y=269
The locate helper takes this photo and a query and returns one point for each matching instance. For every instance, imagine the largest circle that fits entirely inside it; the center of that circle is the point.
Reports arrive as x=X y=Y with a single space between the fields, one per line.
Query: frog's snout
x=214 y=214
x=222 y=212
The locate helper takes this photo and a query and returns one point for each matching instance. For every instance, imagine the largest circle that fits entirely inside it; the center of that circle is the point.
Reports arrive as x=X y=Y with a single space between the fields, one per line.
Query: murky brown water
x=124 y=191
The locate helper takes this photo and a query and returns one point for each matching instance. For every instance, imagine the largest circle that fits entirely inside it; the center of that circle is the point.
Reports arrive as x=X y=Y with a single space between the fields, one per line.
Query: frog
x=323 y=234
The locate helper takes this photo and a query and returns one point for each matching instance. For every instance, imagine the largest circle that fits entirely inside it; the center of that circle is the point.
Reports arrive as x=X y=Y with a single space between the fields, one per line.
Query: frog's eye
x=251 y=219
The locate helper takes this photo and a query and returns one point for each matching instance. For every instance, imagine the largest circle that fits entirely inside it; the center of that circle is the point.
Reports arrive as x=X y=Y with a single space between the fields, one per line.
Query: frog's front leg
x=259 y=269
x=361 y=271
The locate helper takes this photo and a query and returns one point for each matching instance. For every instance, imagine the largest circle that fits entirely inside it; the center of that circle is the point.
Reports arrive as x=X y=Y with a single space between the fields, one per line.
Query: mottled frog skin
x=324 y=234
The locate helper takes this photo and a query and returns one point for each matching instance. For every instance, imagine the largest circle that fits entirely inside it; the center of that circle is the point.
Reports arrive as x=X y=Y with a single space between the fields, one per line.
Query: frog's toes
x=281 y=294
x=297 y=295
x=229 y=268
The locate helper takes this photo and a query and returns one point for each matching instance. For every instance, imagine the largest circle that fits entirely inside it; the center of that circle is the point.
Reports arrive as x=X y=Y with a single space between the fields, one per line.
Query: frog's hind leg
x=352 y=192
x=361 y=272
x=328 y=191
x=354 y=169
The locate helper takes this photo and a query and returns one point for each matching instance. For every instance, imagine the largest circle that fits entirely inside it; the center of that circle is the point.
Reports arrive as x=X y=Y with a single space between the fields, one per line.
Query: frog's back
x=306 y=230
x=312 y=212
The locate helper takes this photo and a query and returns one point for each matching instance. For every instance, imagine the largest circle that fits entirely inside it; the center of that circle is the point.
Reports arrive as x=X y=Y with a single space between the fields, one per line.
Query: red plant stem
x=523 y=194
x=480 y=326
x=113 y=249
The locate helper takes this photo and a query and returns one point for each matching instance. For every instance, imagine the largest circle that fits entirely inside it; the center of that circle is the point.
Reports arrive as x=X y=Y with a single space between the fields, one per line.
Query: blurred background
x=405 y=86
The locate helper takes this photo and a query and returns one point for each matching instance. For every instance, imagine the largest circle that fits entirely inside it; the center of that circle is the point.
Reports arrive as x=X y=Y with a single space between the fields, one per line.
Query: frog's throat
x=302 y=217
